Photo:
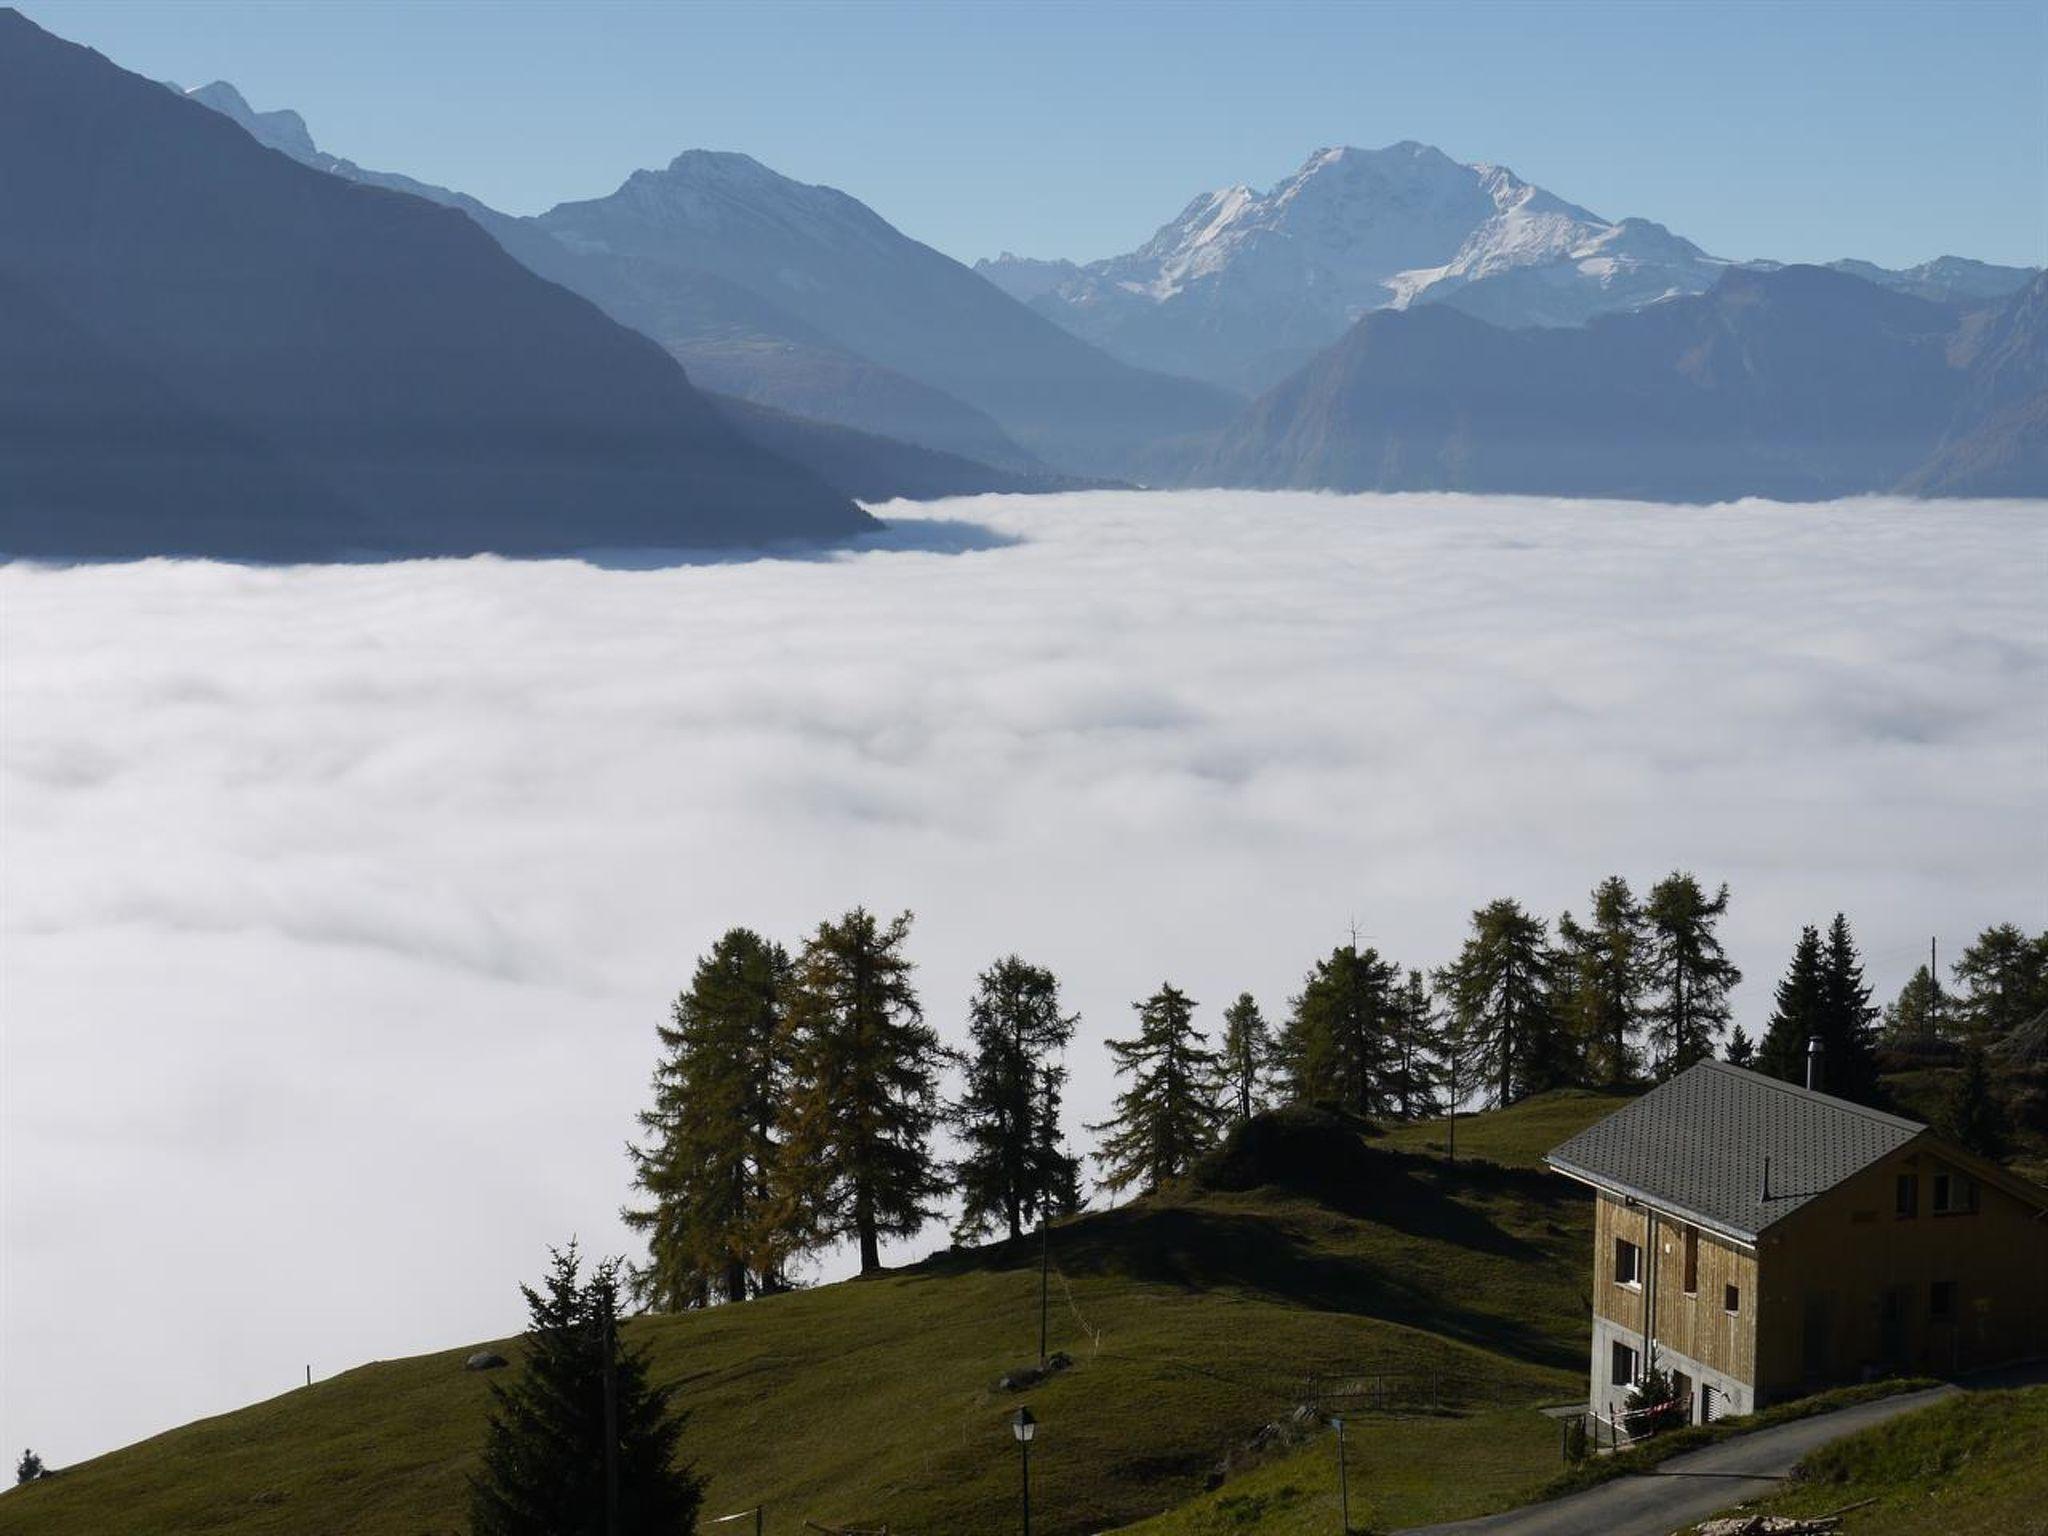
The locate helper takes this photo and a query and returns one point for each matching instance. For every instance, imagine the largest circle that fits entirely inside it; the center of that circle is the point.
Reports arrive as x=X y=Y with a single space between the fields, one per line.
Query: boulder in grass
x=484 y=1360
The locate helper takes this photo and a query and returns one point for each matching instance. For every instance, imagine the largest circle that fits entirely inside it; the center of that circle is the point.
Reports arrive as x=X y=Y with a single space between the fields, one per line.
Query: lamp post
x=1023 y=1426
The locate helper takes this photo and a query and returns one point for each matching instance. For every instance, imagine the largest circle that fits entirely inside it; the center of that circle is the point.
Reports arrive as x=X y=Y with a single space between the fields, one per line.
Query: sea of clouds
x=339 y=905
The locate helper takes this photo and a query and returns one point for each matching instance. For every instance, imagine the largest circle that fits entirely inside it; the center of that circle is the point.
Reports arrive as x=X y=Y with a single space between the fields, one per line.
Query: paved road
x=1689 y=1488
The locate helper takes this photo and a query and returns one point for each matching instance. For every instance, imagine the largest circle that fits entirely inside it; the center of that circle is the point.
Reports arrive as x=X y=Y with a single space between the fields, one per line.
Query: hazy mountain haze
x=350 y=370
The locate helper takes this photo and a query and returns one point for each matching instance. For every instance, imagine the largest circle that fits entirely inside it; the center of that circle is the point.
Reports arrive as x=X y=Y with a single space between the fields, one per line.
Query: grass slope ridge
x=1976 y=1463
x=1305 y=1249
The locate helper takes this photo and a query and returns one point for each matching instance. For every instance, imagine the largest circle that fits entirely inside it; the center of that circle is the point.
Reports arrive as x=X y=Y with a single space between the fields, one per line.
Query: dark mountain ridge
x=233 y=354
x=803 y=298
x=1796 y=383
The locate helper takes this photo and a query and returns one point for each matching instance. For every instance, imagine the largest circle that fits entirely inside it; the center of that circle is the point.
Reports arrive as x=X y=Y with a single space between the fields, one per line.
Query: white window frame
x=1634 y=1280
x=1616 y=1351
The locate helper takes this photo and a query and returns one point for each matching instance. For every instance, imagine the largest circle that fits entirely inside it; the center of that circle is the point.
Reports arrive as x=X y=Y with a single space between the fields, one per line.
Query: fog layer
x=340 y=904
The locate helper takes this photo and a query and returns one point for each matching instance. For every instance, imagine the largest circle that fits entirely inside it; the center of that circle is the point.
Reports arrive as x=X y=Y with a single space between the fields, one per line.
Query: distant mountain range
x=1244 y=287
x=206 y=348
x=210 y=347
x=805 y=299
x=1799 y=383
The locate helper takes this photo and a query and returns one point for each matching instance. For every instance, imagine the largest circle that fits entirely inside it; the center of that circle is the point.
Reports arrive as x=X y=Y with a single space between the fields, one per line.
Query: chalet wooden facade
x=1760 y=1240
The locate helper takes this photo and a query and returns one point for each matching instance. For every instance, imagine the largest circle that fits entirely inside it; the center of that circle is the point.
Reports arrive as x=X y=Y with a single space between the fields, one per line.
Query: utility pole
x=1934 y=981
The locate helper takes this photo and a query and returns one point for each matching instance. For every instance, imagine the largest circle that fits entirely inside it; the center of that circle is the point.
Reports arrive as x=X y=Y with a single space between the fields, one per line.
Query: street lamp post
x=1023 y=1426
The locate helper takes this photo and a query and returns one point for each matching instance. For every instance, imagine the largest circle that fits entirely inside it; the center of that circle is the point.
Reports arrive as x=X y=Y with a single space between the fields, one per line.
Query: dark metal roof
x=1696 y=1146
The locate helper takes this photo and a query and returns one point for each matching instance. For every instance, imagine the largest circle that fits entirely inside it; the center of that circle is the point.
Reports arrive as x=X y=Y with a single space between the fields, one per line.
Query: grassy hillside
x=1309 y=1261
x=1516 y=1137
x=1402 y=1471
x=1975 y=1465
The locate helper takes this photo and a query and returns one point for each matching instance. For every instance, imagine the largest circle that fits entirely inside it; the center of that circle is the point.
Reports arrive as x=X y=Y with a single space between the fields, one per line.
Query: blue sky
x=1804 y=132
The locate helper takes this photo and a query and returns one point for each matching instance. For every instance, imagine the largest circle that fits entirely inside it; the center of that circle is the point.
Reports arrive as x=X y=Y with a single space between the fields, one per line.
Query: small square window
x=1628 y=1262
x=1731 y=1298
x=1908 y=1202
x=1624 y=1363
x=1941 y=1299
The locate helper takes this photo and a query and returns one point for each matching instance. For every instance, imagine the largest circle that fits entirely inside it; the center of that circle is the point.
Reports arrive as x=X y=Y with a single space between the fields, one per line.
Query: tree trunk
x=735 y=1281
x=870 y=1246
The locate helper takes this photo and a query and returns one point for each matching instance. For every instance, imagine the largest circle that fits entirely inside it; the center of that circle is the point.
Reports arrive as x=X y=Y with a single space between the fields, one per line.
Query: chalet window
x=1624 y=1372
x=1941 y=1300
x=1908 y=1203
x=1628 y=1263
x=1731 y=1299
x=1692 y=1261
x=1954 y=1194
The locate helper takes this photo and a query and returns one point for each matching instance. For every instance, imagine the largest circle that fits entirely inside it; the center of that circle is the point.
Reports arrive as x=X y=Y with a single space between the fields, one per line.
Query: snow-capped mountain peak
x=1244 y=284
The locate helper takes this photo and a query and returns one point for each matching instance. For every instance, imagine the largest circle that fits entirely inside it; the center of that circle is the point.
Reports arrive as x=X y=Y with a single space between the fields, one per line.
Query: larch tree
x=1690 y=973
x=1606 y=965
x=2002 y=979
x=1971 y=1115
x=1247 y=1056
x=1498 y=992
x=855 y=1159
x=1339 y=1039
x=581 y=1427
x=1914 y=1017
x=1015 y=1168
x=1168 y=1116
x=706 y=1166
x=1416 y=1074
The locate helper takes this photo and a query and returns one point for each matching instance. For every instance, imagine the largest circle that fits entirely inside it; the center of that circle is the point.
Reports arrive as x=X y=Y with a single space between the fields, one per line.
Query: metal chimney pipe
x=1813 y=1062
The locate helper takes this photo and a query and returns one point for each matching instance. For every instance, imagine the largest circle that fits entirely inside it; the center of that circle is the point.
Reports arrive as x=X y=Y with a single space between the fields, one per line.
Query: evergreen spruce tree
x=1971 y=1115
x=1823 y=996
x=1498 y=990
x=1914 y=1017
x=1604 y=969
x=1247 y=1055
x=29 y=1468
x=579 y=1392
x=855 y=1159
x=1690 y=974
x=1741 y=1050
x=1848 y=1021
x=711 y=1148
x=1015 y=1169
x=2003 y=981
x=1168 y=1116
x=1796 y=1012
x=1340 y=1038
